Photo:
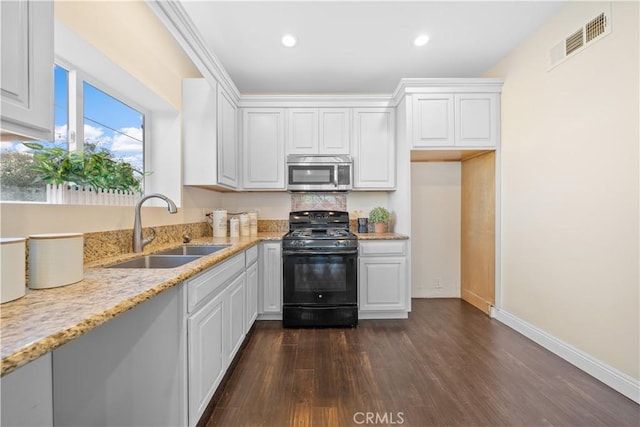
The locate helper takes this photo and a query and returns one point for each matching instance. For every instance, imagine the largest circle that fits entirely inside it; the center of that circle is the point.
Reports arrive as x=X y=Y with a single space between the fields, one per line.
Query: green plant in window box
x=55 y=165
x=379 y=216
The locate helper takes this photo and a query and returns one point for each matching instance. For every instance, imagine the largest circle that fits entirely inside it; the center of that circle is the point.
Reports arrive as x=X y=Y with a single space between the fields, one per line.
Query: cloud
x=131 y=141
x=96 y=135
x=13 y=147
x=60 y=134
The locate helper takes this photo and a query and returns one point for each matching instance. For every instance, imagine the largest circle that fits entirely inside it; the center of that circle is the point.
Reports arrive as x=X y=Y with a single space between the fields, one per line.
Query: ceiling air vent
x=590 y=32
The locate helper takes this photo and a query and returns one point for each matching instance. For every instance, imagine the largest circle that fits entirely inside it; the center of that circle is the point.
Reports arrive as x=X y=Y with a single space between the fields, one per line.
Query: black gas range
x=320 y=267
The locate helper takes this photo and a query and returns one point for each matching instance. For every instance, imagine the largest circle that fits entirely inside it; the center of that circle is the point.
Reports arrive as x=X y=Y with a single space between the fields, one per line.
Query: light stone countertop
x=381 y=236
x=46 y=319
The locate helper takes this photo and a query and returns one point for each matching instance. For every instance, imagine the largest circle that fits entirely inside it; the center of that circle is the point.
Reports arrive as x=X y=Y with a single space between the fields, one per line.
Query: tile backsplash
x=318 y=201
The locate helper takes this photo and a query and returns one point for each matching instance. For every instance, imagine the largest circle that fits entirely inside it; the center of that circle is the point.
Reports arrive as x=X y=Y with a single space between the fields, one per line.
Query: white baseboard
x=617 y=380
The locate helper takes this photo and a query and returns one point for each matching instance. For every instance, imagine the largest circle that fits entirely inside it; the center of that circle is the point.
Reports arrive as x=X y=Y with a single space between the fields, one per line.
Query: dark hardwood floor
x=448 y=364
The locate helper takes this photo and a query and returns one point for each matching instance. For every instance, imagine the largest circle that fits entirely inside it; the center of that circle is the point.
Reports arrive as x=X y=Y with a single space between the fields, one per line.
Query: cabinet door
x=236 y=300
x=252 y=295
x=27 y=398
x=263 y=148
x=27 y=68
x=382 y=284
x=374 y=149
x=433 y=120
x=199 y=132
x=335 y=130
x=477 y=119
x=227 y=140
x=302 y=131
x=271 y=271
x=206 y=330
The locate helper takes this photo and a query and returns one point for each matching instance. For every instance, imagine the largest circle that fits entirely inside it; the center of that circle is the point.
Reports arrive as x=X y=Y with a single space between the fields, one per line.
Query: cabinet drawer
x=382 y=247
x=206 y=284
x=252 y=255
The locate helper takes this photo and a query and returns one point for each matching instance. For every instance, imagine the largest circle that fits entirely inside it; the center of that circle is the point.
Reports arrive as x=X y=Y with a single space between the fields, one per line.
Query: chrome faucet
x=138 y=242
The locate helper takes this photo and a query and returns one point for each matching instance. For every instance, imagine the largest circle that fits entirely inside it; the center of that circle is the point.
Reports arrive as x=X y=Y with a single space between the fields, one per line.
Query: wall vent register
x=576 y=42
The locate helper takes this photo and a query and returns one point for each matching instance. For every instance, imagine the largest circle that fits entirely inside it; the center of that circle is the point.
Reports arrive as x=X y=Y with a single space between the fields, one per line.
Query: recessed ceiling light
x=421 y=40
x=289 y=41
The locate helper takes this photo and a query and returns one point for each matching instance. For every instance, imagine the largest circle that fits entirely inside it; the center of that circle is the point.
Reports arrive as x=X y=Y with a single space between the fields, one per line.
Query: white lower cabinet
x=217 y=325
x=382 y=277
x=236 y=301
x=27 y=398
x=206 y=329
x=252 y=295
x=270 y=295
x=129 y=371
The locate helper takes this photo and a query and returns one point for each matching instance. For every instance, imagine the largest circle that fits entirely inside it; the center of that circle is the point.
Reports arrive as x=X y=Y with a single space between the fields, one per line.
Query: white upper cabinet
x=302 y=131
x=318 y=130
x=263 y=148
x=209 y=135
x=227 y=140
x=477 y=119
x=373 y=149
x=27 y=68
x=433 y=124
x=456 y=120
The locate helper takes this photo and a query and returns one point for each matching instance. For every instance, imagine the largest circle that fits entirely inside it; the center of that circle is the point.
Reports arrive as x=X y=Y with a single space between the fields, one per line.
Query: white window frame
x=75 y=119
x=162 y=146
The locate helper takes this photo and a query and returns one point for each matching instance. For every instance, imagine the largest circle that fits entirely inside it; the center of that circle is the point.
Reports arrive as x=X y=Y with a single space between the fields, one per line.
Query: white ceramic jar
x=12 y=258
x=244 y=225
x=55 y=259
x=219 y=223
x=234 y=227
x=253 y=223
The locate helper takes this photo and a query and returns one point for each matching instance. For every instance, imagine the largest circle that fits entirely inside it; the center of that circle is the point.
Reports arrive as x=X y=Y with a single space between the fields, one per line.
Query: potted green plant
x=55 y=165
x=379 y=216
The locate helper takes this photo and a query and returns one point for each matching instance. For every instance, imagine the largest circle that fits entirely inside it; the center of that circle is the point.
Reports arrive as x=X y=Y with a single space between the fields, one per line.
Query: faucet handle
x=149 y=239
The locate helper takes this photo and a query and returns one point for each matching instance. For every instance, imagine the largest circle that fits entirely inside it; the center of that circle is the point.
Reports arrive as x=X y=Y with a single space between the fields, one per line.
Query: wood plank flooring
x=448 y=364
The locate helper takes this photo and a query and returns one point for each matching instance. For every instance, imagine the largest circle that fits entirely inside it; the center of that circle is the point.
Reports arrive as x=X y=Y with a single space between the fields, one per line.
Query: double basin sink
x=170 y=258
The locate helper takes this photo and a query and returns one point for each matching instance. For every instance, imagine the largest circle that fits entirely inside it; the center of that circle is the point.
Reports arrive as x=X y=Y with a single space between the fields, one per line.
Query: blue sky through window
x=113 y=126
x=108 y=123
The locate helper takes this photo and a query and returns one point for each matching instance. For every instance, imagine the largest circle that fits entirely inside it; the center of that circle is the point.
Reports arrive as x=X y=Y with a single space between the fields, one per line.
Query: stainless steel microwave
x=319 y=173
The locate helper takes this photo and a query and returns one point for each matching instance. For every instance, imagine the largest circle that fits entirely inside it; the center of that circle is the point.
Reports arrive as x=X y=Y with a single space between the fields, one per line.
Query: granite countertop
x=381 y=236
x=45 y=319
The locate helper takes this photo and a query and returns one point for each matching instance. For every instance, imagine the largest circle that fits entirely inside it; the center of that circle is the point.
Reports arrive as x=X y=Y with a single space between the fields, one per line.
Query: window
x=92 y=126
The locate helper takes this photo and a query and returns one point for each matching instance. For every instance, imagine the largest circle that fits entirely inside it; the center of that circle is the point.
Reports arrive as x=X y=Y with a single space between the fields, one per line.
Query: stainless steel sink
x=194 y=250
x=156 y=261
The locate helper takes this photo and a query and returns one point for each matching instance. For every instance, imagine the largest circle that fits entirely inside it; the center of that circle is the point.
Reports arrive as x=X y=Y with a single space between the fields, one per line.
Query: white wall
x=570 y=186
x=435 y=229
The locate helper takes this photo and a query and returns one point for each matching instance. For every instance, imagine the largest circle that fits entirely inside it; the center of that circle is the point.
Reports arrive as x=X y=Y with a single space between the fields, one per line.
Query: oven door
x=320 y=278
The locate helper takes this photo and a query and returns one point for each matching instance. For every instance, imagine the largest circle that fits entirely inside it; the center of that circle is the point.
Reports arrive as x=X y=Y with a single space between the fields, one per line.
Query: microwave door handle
x=335 y=175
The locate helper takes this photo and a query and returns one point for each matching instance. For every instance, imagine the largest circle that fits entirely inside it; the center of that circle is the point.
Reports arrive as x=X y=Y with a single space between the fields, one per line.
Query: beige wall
x=570 y=186
x=130 y=34
x=435 y=229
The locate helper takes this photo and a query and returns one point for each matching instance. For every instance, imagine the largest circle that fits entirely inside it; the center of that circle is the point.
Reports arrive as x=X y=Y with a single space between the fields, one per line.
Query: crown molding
x=176 y=20
x=173 y=16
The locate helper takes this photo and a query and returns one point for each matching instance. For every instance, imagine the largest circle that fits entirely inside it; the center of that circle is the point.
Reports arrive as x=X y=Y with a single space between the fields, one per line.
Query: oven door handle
x=312 y=252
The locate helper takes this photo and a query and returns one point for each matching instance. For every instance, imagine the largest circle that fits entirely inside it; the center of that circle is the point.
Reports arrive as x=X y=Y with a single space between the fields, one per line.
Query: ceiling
x=360 y=46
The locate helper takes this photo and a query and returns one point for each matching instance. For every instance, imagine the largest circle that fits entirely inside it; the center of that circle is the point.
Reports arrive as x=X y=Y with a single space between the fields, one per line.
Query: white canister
x=253 y=223
x=219 y=223
x=55 y=259
x=12 y=256
x=244 y=225
x=234 y=227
